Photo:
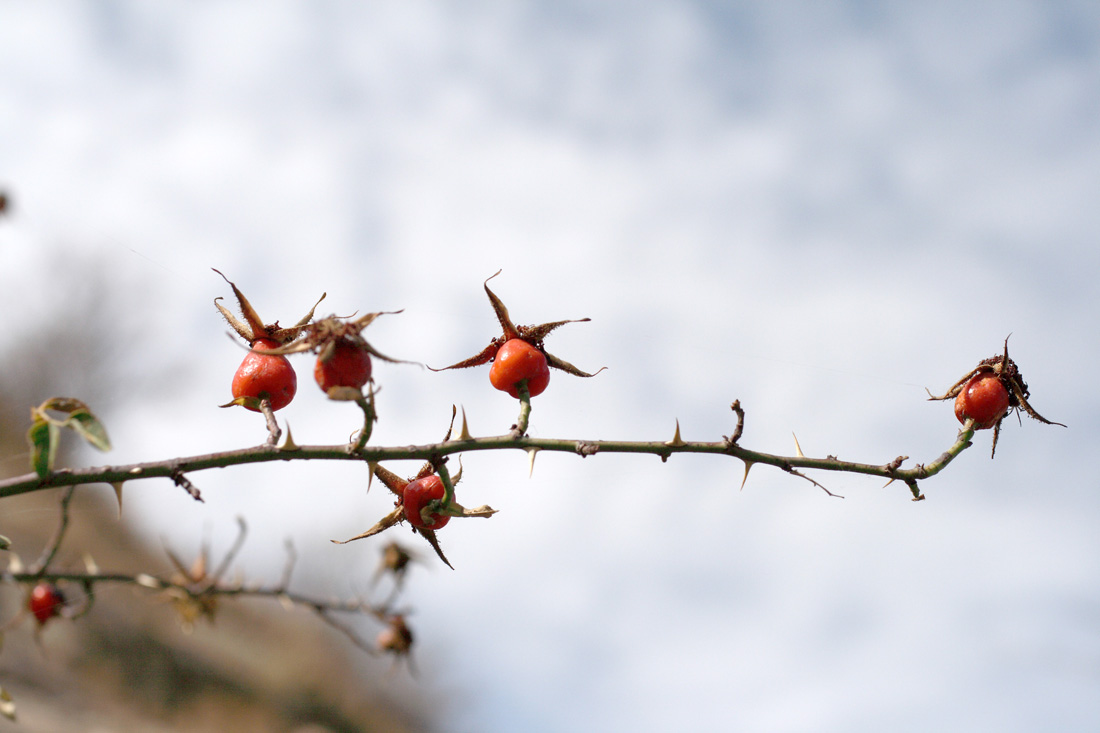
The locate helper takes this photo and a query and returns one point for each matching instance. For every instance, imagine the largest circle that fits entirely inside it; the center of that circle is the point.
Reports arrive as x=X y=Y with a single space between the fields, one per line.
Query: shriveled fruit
x=46 y=602
x=396 y=638
x=264 y=375
x=984 y=398
x=416 y=495
x=517 y=360
x=347 y=364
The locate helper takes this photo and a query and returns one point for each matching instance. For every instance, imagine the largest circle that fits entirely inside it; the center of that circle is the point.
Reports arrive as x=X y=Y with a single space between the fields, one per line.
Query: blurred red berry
x=46 y=602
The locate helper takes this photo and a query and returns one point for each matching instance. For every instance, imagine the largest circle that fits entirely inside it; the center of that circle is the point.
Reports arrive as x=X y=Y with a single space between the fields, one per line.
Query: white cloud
x=816 y=213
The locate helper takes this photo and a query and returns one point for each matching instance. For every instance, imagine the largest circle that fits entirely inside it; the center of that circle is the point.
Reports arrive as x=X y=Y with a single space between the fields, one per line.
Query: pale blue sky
x=817 y=208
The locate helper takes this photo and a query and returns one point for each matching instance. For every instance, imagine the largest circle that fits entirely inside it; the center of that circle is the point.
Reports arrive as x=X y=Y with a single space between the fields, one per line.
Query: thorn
x=89 y=565
x=117 y=486
x=531 y=461
x=748 y=465
x=371 y=465
x=676 y=441
x=288 y=441
x=797 y=447
x=147 y=581
x=464 y=434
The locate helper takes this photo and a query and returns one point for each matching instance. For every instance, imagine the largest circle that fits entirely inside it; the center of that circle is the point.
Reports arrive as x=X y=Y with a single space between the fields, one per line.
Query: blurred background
x=820 y=209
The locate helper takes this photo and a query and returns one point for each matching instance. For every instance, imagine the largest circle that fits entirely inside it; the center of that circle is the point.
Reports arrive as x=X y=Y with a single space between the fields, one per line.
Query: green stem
x=524 y=409
x=366 y=404
x=961 y=444
x=448 y=484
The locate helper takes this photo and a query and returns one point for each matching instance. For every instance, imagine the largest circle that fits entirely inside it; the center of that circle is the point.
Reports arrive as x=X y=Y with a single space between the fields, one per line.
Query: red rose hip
x=265 y=375
x=984 y=398
x=517 y=360
x=348 y=365
x=416 y=495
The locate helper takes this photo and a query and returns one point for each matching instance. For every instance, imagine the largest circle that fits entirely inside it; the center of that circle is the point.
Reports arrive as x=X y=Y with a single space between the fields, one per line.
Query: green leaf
x=5 y=543
x=90 y=428
x=63 y=404
x=43 y=436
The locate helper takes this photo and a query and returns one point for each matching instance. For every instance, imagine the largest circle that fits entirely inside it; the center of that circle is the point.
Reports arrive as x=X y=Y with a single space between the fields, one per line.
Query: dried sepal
x=483 y=357
x=381 y=525
x=429 y=535
x=1009 y=374
x=501 y=310
x=391 y=480
x=533 y=335
x=194 y=591
x=253 y=327
x=322 y=336
x=567 y=367
x=485 y=511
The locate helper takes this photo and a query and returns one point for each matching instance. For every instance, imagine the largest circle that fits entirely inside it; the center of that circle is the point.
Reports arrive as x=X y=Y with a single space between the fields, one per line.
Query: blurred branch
x=323 y=607
x=54 y=544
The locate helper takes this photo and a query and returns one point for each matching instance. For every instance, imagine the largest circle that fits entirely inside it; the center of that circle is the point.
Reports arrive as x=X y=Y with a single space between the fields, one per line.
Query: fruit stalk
x=366 y=404
x=524 y=409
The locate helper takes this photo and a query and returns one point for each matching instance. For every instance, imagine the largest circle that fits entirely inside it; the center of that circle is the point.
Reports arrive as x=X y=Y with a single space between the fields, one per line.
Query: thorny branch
x=727 y=446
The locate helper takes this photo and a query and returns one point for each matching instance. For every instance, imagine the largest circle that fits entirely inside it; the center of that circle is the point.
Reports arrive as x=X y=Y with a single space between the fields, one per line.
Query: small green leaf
x=5 y=543
x=90 y=428
x=63 y=404
x=43 y=436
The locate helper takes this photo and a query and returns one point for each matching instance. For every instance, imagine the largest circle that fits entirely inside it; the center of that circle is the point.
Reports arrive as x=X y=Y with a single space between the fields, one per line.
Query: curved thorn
x=676 y=441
